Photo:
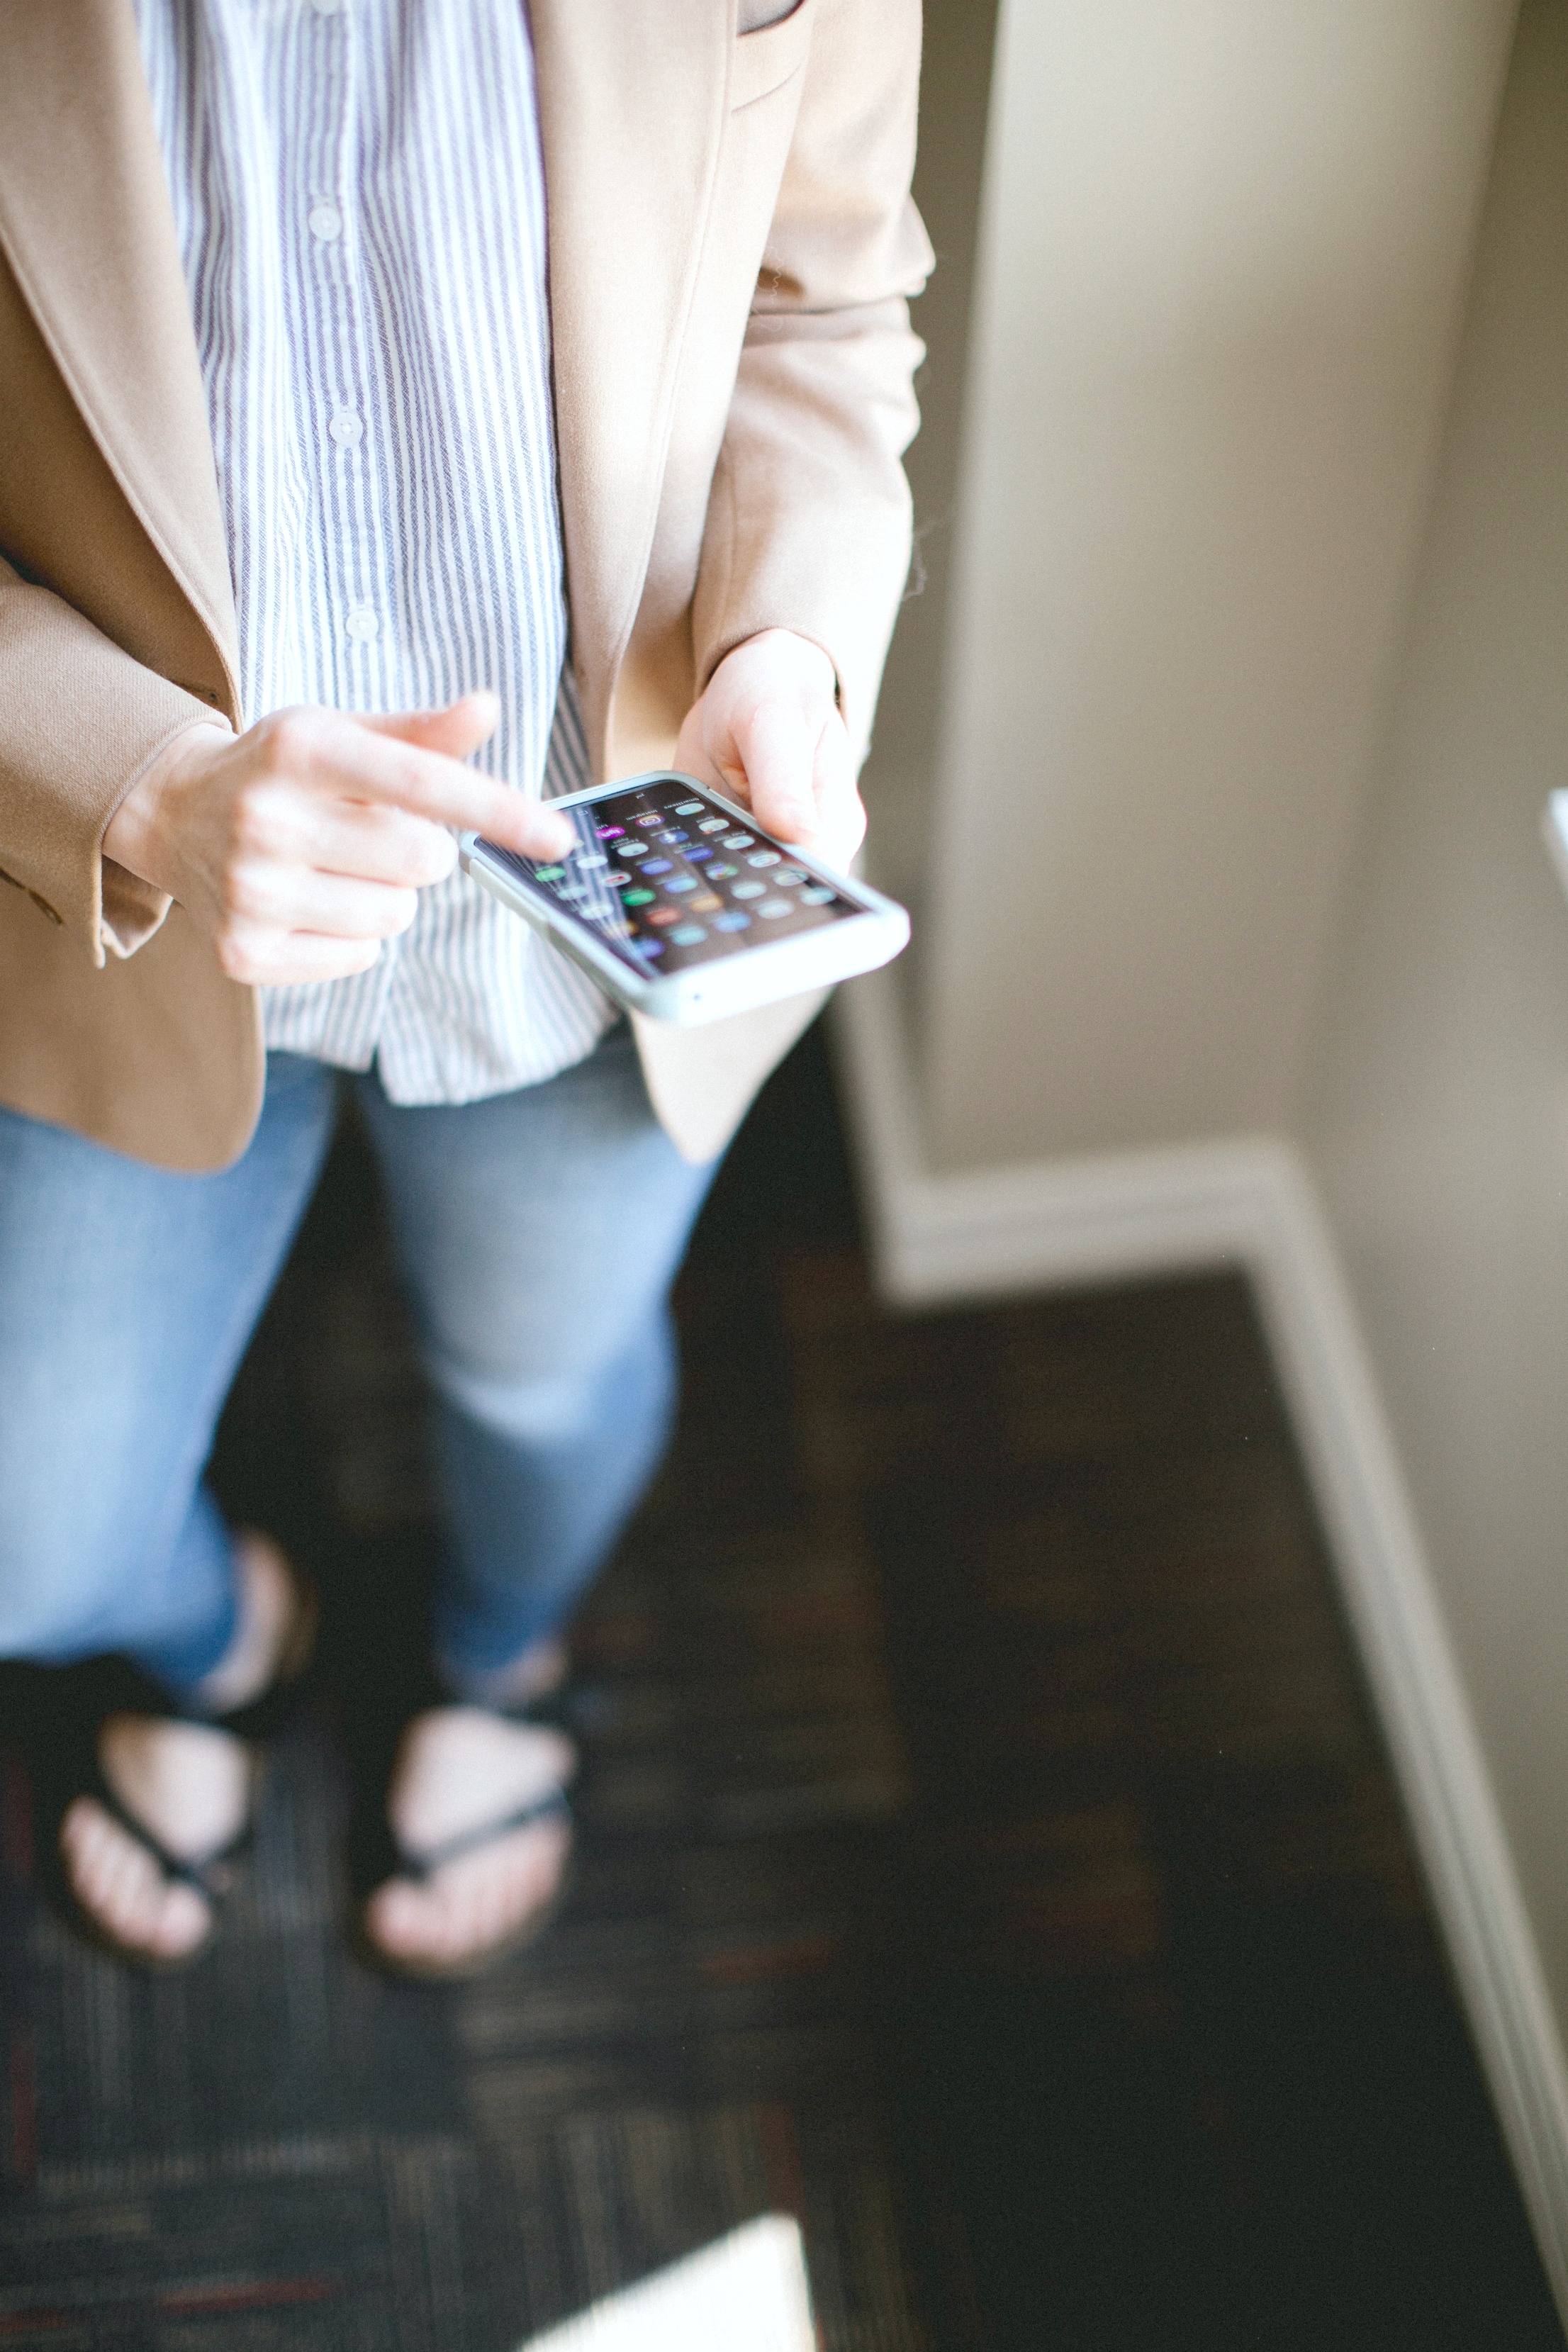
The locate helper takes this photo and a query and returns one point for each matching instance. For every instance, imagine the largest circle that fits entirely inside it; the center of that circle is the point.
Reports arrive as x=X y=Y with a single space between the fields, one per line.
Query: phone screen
x=667 y=881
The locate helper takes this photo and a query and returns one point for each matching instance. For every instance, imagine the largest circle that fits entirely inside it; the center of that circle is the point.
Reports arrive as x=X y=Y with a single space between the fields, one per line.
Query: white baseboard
x=1049 y=1225
x=1251 y=1203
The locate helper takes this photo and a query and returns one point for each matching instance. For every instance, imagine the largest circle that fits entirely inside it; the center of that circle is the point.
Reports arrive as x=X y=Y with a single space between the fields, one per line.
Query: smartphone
x=681 y=907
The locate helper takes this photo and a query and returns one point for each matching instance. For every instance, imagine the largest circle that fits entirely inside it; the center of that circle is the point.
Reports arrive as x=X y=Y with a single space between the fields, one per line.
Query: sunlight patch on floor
x=746 y=2293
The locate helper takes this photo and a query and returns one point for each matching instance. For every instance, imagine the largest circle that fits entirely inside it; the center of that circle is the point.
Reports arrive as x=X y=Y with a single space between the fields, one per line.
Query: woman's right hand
x=302 y=844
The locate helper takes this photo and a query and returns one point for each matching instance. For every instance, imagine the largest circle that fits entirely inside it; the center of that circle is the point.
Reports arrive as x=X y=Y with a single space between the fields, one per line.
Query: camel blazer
x=731 y=244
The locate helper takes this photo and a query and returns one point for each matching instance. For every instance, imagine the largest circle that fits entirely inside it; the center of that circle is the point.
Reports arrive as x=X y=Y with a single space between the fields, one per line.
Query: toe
x=472 y=1905
x=182 y=1921
x=393 y=1917
x=122 y=1891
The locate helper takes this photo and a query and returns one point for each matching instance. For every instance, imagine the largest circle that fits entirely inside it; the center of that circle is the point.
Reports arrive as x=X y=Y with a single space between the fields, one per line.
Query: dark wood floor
x=988 y=1857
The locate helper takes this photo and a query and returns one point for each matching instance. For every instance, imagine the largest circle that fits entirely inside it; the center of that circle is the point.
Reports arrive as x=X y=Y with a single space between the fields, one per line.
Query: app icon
x=649 y=817
x=773 y=908
x=656 y=866
x=548 y=873
x=712 y=824
x=688 y=935
x=689 y=808
x=645 y=947
x=632 y=849
x=662 y=915
x=765 y=858
x=708 y=904
x=787 y=876
x=733 y=922
x=637 y=898
x=588 y=860
x=722 y=872
x=609 y=832
x=682 y=882
x=748 y=890
x=816 y=896
x=737 y=841
x=698 y=852
x=675 y=834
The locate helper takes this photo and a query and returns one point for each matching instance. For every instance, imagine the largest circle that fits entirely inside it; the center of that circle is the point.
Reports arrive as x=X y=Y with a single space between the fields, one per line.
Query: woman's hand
x=768 y=733
x=302 y=844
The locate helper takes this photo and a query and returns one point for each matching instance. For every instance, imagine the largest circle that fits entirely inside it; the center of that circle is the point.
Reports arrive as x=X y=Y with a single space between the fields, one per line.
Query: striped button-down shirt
x=360 y=205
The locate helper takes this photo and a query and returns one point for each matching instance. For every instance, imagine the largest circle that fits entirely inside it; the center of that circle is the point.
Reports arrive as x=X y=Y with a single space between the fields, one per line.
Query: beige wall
x=1438 y=1111
x=1223 y=252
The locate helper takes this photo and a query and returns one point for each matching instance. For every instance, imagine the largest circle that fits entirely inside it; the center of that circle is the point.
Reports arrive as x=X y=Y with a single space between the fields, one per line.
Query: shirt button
x=362 y=625
x=346 y=428
x=326 y=223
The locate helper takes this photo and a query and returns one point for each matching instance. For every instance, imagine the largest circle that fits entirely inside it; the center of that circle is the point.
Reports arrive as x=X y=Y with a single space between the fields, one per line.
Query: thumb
x=456 y=731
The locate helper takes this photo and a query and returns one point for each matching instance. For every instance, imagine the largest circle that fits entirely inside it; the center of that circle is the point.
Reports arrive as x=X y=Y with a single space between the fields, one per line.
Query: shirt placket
x=357 y=652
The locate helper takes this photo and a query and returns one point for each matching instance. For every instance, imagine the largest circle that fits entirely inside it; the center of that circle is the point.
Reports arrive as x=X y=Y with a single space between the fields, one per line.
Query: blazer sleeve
x=79 y=722
x=808 y=522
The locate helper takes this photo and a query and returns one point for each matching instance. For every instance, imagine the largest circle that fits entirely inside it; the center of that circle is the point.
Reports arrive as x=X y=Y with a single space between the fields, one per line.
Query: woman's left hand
x=768 y=733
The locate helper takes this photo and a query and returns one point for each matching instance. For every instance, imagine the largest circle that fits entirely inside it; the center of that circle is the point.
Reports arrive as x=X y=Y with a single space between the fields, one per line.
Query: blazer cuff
x=130 y=911
x=80 y=723
x=743 y=634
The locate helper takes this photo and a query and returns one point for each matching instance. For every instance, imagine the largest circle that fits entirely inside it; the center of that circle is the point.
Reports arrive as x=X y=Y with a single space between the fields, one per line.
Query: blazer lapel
x=632 y=97
x=87 y=228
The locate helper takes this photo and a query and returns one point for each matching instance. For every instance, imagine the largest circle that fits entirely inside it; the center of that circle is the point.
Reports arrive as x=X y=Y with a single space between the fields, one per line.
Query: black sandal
x=213 y=1876
x=95 y=1693
x=381 y=1857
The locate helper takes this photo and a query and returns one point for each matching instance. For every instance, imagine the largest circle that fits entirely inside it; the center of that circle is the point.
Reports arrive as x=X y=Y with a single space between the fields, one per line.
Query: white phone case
x=738 y=981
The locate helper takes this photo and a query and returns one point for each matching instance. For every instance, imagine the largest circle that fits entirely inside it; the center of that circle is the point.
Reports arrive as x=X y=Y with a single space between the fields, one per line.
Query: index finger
x=367 y=764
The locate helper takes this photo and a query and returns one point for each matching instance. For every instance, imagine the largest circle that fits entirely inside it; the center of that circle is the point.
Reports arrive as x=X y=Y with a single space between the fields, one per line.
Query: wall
x=1436 y=1117
x=1223 y=250
x=955 y=88
x=1239 y=942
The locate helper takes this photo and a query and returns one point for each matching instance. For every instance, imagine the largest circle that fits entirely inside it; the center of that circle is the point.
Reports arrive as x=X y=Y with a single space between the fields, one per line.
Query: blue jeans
x=537 y=1233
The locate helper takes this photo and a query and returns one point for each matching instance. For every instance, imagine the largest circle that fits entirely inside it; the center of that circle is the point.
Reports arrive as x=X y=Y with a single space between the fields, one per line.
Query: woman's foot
x=190 y=1786
x=459 y=1769
x=187 y=1783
